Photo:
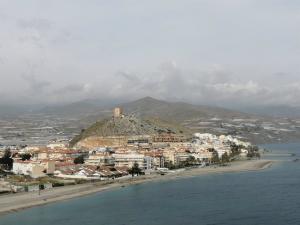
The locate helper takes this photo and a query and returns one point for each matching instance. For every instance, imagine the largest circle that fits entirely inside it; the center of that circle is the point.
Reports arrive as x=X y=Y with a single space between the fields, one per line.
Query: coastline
x=15 y=202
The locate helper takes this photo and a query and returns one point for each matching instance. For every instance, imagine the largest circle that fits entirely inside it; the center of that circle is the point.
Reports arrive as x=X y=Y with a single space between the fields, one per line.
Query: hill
x=129 y=126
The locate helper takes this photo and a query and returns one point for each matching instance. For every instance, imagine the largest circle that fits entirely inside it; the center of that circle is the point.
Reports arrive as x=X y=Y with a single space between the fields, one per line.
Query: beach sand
x=14 y=202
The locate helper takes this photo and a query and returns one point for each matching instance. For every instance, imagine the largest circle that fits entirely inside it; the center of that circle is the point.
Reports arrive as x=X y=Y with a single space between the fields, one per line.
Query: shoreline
x=15 y=202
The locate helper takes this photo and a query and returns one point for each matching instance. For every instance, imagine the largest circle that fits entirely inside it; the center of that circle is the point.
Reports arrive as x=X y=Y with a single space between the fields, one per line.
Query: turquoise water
x=265 y=197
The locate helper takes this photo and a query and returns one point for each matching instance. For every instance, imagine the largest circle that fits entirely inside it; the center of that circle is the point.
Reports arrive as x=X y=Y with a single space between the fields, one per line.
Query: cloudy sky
x=217 y=52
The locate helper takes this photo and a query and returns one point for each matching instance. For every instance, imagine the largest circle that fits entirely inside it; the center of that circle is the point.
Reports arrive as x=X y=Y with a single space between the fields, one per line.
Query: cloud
x=74 y=88
x=35 y=84
x=2 y=60
x=39 y=24
x=128 y=76
x=34 y=30
x=215 y=86
x=44 y=33
x=246 y=53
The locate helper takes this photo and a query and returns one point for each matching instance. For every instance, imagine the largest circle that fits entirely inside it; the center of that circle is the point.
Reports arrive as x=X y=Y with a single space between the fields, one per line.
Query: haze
x=234 y=52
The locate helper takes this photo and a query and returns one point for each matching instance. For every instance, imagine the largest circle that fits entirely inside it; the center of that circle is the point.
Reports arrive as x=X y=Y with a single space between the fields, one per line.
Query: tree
x=235 y=149
x=253 y=152
x=190 y=161
x=225 y=158
x=6 y=160
x=79 y=159
x=25 y=157
x=135 y=169
x=258 y=155
x=7 y=154
x=211 y=149
x=215 y=157
x=170 y=165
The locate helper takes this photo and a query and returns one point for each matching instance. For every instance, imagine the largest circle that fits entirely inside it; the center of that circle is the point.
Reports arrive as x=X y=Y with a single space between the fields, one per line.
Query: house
x=57 y=154
x=35 y=169
x=168 y=137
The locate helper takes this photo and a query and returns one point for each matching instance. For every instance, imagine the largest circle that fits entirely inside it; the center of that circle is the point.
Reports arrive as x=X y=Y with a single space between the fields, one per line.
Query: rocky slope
x=129 y=126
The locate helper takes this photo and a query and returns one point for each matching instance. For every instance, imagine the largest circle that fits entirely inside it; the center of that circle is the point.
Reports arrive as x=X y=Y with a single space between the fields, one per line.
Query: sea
x=268 y=197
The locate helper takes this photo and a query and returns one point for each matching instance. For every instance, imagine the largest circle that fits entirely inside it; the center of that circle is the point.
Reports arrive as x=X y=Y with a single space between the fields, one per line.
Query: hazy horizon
x=233 y=53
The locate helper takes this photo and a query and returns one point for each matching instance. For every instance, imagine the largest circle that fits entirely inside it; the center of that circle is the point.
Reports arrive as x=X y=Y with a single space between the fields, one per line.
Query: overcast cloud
x=233 y=52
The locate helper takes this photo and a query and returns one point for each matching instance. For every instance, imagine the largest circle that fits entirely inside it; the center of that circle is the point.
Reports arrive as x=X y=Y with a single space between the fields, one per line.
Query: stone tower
x=117 y=112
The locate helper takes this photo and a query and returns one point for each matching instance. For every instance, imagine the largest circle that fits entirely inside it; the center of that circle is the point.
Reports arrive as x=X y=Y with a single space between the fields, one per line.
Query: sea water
x=268 y=197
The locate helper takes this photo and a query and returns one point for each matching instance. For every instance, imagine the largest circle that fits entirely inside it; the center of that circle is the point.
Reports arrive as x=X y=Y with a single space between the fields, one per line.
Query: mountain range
x=255 y=127
x=171 y=111
x=147 y=106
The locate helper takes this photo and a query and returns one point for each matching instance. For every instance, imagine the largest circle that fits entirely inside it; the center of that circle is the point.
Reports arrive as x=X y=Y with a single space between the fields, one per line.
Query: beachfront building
x=202 y=155
x=129 y=159
x=181 y=157
x=158 y=160
x=35 y=169
x=221 y=144
x=175 y=155
x=169 y=155
x=89 y=172
x=100 y=159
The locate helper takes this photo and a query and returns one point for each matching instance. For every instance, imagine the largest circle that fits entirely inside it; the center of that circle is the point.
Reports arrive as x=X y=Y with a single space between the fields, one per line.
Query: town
x=32 y=168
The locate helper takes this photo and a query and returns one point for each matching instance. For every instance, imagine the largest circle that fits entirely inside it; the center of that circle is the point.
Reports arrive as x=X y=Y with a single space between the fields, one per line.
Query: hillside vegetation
x=130 y=125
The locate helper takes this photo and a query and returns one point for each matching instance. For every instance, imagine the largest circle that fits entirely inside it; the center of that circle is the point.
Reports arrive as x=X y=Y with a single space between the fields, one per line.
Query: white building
x=34 y=169
x=100 y=159
x=128 y=160
x=56 y=145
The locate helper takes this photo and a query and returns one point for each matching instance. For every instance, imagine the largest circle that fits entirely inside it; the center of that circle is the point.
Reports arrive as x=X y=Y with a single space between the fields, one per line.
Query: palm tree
x=225 y=158
x=215 y=157
x=135 y=169
x=6 y=160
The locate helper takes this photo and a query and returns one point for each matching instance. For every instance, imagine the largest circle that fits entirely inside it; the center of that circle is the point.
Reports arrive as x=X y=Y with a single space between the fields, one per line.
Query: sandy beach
x=14 y=202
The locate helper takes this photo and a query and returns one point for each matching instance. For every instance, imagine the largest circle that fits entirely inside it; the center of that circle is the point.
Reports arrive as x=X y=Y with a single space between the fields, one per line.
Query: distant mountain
x=171 y=111
x=77 y=109
x=177 y=111
x=92 y=109
x=274 y=111
x=16 y=110
x=74 y=109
